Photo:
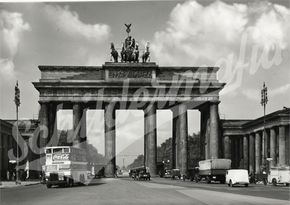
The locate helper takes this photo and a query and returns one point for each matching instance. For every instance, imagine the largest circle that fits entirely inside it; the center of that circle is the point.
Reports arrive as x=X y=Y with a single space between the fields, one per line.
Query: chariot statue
x=130 y=50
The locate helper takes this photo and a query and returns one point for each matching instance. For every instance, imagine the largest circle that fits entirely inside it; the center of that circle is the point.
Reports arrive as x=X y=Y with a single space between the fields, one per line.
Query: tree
x=164 y=151
x=138 y=162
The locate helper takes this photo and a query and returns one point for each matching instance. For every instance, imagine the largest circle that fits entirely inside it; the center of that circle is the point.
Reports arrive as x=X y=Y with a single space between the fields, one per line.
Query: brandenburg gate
x=131 y=84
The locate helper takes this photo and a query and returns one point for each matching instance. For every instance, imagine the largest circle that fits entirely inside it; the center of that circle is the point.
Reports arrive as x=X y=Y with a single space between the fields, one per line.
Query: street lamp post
x=264 y=100
x=17 y=103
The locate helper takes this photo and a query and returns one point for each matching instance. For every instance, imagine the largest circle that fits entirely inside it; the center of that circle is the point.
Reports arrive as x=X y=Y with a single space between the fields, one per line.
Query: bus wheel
x=82 y=179
x=287 y=184
x=231 y=183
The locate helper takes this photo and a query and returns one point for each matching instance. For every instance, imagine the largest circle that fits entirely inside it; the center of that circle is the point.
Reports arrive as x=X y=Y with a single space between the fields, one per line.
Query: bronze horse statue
x=146 y=55
x=114 y=53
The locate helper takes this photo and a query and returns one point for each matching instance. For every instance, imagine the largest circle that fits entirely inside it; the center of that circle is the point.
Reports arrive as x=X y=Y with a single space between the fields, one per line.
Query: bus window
x=48 y=151
x=56 y=150
x=65 y=150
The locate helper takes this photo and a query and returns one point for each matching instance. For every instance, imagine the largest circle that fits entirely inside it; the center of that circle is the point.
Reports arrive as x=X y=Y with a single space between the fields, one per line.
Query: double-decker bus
x=65 y=165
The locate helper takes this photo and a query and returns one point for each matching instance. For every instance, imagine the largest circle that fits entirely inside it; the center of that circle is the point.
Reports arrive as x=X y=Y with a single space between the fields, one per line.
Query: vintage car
x=237 y=176
x=279 y=175
x=175 y=173
x=140 y=173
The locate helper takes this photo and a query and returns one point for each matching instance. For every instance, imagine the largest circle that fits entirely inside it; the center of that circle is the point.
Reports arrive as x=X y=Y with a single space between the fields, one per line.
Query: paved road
x=157 y=191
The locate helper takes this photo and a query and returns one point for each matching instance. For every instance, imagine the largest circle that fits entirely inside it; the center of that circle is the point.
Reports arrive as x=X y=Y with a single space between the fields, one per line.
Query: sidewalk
x=10 y=184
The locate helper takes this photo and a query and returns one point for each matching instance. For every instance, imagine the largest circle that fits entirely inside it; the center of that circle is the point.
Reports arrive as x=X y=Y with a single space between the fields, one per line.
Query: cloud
x=280 y=90
x=12 y=27
x=236 y=37
x=68 y=22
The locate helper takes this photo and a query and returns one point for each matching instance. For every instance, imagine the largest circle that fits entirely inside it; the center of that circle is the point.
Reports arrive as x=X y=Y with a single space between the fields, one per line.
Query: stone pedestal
x=150 y=121
x=110 y=140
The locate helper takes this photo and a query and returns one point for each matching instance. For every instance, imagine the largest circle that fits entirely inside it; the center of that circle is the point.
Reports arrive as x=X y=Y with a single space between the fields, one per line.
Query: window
x=66 y=150
x=57 y=150
x=48 y=151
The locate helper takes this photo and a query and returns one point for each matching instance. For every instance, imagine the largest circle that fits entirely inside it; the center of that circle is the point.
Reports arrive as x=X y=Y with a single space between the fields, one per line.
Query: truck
x=213 y=170
x=279 y=175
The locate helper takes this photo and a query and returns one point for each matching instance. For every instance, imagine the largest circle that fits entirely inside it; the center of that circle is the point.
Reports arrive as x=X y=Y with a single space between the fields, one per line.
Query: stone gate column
x=214 y=128
x=150 y=124
x=282 y=146
x=145 y=142
x=43 y=134
x=43 y=119
x=77 y=116
x=273 y=146
x=83 y=129
x=258 y=153
x=265 y=147
x=52 y=121
x=227 y=147
x=110 y=140
x=174 y=157
x=245 y=152
x=183 y=136
x=252 y=153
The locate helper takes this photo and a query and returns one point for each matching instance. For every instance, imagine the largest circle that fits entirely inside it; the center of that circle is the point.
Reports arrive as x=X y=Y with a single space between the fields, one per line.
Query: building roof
x=238 y=127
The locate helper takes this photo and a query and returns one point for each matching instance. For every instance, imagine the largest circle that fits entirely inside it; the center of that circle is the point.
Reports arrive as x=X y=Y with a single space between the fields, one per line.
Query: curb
x=21 y=185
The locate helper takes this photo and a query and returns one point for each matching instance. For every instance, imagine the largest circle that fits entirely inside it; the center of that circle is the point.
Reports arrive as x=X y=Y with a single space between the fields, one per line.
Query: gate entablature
x=155 y=83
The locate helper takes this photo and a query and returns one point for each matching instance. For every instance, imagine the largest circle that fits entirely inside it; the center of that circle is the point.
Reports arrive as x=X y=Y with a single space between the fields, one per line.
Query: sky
x=248 y=40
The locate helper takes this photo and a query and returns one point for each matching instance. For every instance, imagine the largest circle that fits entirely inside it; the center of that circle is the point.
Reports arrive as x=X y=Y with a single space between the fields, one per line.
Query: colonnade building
x=254 y=144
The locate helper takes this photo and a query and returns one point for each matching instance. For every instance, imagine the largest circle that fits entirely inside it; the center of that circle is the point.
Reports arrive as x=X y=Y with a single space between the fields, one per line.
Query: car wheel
x=274 y=182
x=231 y=183
x=48 y=186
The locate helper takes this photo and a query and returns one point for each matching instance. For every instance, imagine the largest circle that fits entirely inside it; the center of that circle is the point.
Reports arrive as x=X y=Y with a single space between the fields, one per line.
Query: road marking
x=221 y=198
x=159 y=186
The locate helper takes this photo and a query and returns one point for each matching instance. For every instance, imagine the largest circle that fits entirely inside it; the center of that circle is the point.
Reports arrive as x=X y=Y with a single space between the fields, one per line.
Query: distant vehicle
x=140 y=173
x=279 y=175
x=213 y=170
x=65 y=165
x=167 y=173
x=237 y=176
x=175 y=173
x=191 y=174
